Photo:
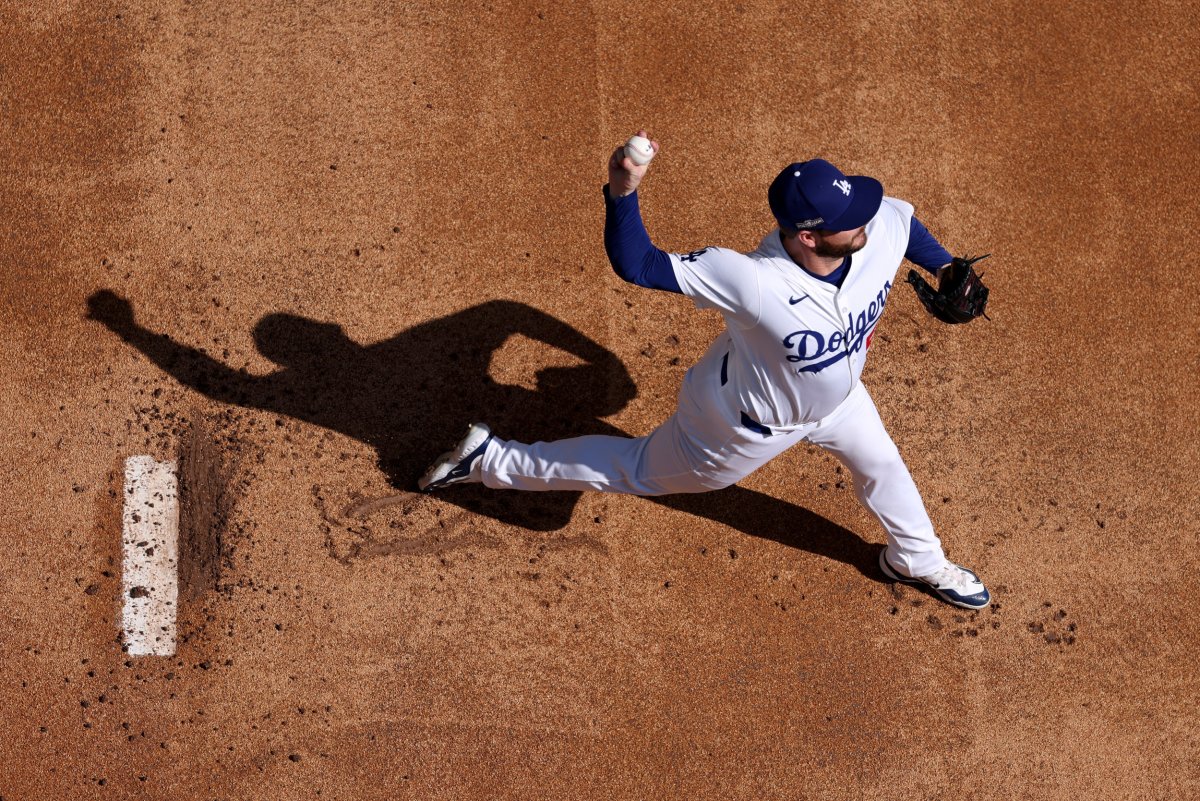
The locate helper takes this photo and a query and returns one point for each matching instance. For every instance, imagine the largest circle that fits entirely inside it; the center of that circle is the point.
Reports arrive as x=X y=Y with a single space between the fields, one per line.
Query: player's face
x=840 y=243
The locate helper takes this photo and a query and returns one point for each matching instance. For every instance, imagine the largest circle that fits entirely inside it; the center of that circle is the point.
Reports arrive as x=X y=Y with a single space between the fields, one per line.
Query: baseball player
x=800 y=311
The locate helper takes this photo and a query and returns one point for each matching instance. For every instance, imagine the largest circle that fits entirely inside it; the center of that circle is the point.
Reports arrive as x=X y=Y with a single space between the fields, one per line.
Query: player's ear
x=807 y=237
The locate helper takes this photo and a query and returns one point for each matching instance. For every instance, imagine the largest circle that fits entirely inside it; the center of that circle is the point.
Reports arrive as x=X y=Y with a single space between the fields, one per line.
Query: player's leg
x=680 y=456
x=701 y=447
x=855 y=434
x=656 y=464
x=914 y=555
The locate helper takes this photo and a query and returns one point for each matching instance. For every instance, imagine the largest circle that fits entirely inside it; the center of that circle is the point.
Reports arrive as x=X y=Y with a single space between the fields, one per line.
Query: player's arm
x=629 y=248
x=923 y=250
x=714 y=278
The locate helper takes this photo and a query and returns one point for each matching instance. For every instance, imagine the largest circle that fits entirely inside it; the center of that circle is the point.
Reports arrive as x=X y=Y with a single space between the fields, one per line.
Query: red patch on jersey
x=870 y=336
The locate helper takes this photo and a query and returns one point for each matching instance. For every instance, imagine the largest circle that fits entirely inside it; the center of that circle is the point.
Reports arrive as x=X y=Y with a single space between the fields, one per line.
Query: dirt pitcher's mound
x=301 y=248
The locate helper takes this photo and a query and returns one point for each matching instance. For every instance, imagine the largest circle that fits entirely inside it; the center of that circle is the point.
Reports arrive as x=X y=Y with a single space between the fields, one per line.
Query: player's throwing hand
x=623 y=174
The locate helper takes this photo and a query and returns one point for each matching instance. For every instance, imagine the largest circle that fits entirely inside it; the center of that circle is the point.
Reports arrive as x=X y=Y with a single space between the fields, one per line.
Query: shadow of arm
x=535 y=324
x=189 y=366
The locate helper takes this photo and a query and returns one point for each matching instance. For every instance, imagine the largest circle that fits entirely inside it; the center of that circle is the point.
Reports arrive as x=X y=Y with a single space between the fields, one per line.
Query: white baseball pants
x=704 y=447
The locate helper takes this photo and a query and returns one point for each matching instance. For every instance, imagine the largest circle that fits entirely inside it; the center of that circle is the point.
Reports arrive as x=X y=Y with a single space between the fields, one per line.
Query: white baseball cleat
x=461 y=464
x=953 y=583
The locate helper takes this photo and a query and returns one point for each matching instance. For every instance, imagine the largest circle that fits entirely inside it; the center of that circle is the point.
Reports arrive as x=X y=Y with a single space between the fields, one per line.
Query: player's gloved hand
x=960 y=296
x=623 y=175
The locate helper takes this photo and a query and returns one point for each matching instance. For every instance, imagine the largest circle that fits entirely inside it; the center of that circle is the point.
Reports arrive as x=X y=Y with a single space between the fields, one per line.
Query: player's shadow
x=411 y=396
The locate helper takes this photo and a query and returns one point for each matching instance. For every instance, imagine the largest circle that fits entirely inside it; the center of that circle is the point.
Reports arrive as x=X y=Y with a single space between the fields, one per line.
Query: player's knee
x=718 y=479
x=878 y=466
x=718 y=483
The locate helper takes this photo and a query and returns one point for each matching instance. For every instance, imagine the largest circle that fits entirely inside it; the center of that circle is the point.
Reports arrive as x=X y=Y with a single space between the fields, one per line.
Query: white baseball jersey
x=798 y=344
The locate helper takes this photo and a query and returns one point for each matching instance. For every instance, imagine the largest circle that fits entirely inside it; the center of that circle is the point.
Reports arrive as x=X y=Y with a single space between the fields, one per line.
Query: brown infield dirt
x=344 y=230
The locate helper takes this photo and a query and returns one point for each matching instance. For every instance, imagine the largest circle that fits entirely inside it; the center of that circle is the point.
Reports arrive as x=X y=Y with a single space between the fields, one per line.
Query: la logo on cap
x=843 y=185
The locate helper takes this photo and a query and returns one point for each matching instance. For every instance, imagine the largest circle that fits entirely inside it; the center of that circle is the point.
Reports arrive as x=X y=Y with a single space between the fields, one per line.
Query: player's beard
x=823 y=248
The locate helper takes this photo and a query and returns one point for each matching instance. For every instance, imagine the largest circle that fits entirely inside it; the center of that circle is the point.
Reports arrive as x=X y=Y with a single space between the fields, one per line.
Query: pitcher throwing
x=800 y=311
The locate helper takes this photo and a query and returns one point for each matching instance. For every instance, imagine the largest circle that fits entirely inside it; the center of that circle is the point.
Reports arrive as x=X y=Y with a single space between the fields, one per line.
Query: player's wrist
x=614 y=194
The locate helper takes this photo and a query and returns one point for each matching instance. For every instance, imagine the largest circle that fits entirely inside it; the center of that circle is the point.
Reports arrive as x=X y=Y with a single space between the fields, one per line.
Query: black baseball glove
x=960 y=296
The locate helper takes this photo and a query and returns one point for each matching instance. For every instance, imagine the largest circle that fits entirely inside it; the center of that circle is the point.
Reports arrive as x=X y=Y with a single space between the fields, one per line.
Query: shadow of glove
x=112 y=310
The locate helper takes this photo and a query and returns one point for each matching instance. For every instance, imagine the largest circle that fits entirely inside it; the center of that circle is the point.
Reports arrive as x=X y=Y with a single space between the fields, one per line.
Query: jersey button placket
x=842 y=317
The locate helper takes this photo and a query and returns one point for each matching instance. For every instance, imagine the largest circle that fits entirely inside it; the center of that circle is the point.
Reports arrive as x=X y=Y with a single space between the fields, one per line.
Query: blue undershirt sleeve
x=923 y=249
x=633 y=256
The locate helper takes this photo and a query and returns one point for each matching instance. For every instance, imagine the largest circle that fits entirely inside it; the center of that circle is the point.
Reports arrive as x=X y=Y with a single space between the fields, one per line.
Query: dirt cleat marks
x=413 y=526
x=1054 y=627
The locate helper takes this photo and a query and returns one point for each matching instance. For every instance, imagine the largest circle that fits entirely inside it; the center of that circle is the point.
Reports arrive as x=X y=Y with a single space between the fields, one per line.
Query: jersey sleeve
x=721 y=279
x=924 y=250
x=629 y=249
x=894 y=217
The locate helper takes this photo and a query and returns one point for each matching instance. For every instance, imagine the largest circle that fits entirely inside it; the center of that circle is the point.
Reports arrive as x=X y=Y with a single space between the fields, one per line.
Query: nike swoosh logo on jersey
x=794 y=301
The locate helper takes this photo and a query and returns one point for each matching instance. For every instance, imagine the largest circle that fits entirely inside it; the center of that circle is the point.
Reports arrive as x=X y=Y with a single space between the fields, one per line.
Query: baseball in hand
x=639 y=150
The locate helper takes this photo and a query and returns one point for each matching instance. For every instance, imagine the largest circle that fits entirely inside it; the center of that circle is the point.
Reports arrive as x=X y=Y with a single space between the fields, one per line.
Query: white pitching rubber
x=150 y=543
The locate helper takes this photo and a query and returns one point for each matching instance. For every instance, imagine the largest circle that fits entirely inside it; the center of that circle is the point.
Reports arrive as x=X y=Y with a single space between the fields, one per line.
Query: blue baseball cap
x=815 y=194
